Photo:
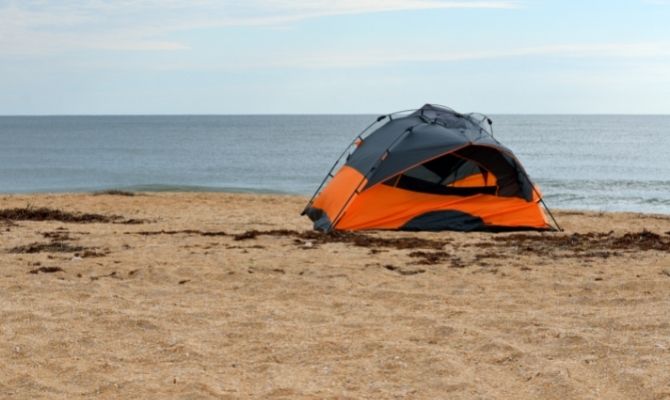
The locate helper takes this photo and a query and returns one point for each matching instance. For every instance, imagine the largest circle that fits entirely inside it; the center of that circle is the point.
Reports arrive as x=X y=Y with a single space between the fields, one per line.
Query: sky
x=333 y=56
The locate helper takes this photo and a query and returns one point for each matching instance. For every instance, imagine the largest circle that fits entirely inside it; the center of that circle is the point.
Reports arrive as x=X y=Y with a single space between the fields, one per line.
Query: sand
x=177 y=297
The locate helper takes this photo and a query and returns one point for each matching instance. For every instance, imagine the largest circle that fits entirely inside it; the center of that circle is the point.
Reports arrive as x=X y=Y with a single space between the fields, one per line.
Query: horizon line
x=318 y=114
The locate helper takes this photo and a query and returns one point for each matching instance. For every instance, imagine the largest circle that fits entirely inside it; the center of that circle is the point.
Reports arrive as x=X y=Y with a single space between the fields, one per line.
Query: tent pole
x=330 y=171
x=525 y=174
x=346 y=203
x=328 y=175
x=551 y=215
x=546 y=207
x=365 y=177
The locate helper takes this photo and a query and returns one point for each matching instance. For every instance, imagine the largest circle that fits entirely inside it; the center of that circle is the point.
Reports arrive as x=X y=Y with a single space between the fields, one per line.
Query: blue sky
x=329 y=56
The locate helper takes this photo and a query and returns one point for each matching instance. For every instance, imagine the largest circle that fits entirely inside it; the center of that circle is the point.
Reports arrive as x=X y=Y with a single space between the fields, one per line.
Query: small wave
x=152 y=188
x=604 y=184
x=193 y=188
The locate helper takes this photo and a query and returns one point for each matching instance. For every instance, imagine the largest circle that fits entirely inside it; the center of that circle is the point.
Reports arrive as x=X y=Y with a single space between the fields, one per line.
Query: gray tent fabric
x=432 y=132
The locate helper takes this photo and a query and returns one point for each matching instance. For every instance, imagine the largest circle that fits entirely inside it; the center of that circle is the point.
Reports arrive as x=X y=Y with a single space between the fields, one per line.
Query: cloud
x=40 y=26
x=648 y=53
x=378 y=58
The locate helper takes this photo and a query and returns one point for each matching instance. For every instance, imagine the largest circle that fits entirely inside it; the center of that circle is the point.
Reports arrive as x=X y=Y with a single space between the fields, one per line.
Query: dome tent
x=427 y=169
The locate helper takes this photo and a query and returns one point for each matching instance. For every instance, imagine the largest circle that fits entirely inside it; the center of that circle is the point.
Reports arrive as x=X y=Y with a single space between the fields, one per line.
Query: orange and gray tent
x=428 y=169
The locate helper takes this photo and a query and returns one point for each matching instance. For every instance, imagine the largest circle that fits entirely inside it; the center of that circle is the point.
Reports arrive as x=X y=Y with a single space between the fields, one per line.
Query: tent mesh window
x=440 y=176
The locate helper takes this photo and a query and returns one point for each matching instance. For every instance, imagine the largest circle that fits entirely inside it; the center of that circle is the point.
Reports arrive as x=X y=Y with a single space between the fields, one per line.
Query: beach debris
x=404 y=271
x=644 y=240
x=591 y=244
x=357 y=239
x=59 y=243
x=57 y=235
x=377 y=251
x=110 y=275
x=51 y=247
x=183 y=281
x=456 y=262
x=305 y=244
x=30 y=213
x=131 y=221
x=114 y=192
x=90 y=253
x=45 y=270
x=429 y=257
x=666 y=272
x=7 y=223
x=582 y=245
x=487 y=269
x=184 y=231
x=312 y=239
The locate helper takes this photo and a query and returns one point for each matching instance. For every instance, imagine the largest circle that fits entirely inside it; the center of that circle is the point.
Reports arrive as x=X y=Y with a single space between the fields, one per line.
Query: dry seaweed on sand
x=594 y=243
x=114 y=192
x=429 y=257
x=49 y=214
x=179 y=232
x=357 y=239
x=110 y=275
x=52 y=247
x=316 y=238
x=404 y=271
x=57 y=235
x=45 y=270
x=6 y=222
x=91 y=253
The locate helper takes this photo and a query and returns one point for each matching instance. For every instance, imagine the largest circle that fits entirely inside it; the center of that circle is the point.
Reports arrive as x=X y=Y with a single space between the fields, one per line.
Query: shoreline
x=130 y=191
x=220 y=295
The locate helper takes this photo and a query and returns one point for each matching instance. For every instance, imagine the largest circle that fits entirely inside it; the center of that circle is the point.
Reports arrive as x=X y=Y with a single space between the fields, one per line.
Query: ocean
x=582 y=162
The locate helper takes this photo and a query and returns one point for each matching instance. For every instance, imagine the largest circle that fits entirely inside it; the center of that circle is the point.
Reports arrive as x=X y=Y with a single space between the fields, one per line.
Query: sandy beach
x=213 y=295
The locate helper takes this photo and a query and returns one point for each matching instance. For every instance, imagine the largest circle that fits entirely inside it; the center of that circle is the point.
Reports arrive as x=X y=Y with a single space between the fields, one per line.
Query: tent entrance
x=450 y=174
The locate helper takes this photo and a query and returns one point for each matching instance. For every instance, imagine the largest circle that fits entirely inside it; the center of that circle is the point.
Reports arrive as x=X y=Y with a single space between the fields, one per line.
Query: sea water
x=594 y=162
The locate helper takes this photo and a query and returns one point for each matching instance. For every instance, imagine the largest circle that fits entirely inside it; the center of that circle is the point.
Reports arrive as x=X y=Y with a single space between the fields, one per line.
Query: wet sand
x=233 y=296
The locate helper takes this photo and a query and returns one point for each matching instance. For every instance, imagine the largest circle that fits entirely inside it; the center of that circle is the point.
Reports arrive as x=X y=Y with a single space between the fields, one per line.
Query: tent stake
x=551 y=215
